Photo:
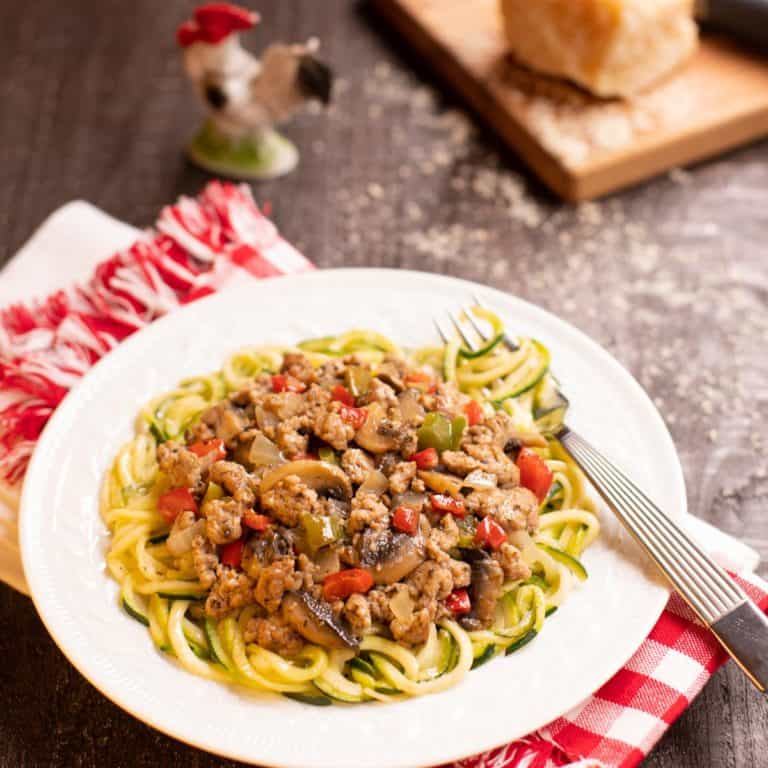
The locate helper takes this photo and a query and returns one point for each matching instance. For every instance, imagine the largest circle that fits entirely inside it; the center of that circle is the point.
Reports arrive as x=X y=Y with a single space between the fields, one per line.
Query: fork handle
x=744 y=634
x=717 y=600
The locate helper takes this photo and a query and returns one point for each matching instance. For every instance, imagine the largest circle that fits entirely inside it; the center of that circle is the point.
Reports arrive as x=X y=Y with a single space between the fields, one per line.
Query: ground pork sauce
x=319 y=504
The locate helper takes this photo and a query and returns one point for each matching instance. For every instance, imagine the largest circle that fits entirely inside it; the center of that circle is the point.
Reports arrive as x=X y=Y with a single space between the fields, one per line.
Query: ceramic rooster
x=245 y=96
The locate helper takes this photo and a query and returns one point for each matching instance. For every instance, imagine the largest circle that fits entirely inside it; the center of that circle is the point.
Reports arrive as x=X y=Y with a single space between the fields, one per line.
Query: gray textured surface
x=670 y=277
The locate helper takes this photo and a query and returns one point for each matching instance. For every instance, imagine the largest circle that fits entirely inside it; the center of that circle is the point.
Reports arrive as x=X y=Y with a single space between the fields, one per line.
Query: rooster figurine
x=245 y=96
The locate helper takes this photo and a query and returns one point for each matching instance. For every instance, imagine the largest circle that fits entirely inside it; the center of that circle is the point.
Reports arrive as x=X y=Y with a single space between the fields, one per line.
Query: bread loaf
x=609 y=47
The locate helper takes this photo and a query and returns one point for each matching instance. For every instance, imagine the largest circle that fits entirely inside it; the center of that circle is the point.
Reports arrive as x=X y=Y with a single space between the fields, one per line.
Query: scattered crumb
x=679 y=176
x=375 y=191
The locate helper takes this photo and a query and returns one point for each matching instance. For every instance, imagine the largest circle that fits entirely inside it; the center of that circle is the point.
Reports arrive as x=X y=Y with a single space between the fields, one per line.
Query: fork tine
x=440 y=330
x=508 y=340
x=466 y=339
x=471 y=318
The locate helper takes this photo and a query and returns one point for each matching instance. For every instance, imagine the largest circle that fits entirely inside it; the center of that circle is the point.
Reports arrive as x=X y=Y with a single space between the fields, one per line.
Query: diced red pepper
x=421 y=380
x=340 y=585
x=283 y=383
x=491 y=533
x=171 y=504
x=232 y=554
x=405 y=519
x=458 y=602
x=474 y=412
x=535 y=475
x=426 y=459
x=442 y=502
x=257 y=522
x=354 y=416
x=306 y=455
x=205 y=447
x=343 y=395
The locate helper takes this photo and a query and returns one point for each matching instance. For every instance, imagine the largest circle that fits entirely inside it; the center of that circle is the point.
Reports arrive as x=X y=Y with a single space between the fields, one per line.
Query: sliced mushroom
x=263 y=550
x=485 y=587
x=390 y=556
x=314 y=621
x=326 y=479
x=374 y=435
x=389 y=374
x=271 y=546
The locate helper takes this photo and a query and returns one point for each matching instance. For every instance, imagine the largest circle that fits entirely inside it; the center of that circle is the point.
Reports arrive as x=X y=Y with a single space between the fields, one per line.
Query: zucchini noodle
x=164 y=594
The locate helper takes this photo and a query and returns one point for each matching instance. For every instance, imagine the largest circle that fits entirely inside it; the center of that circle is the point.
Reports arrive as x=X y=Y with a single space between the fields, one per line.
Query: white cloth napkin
x=64 y=249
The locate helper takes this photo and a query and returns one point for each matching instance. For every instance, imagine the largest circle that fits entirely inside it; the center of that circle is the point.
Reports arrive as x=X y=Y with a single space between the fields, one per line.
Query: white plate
x=63 y=540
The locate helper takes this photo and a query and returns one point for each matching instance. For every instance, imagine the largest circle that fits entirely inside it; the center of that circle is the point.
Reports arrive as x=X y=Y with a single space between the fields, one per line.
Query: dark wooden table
x=671 y=277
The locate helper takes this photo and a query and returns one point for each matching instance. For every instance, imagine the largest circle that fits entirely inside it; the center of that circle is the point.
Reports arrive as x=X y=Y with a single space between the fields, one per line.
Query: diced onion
x=180 y=542
x=520 y=539
x=410 y=408
x=480 y=480
x=401 y=604
x=410 y=499
x=266 y=419
x=376 y=482
x=264 y=453
x=327 y=561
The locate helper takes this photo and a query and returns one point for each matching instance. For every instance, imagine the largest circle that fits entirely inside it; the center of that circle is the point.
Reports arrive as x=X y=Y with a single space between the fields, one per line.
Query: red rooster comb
x=213 y=22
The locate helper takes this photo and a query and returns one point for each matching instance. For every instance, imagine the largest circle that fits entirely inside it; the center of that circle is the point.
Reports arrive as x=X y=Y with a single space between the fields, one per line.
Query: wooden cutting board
x=580 y=146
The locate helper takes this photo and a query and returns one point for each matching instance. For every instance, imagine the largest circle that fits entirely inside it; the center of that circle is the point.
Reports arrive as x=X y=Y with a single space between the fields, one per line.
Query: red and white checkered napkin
x=618 y=725
x=199 y=246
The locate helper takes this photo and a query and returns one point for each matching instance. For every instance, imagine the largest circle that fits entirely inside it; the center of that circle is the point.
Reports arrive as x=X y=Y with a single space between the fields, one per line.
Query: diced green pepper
x=467 y=530
x=358 y=380
x=435 y=433
x=458 y=425
x=320 y=530
x=213 y=491
x=327 y=454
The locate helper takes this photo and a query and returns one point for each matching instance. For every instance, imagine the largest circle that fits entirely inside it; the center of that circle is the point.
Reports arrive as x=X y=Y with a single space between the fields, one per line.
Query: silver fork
x=715 y=598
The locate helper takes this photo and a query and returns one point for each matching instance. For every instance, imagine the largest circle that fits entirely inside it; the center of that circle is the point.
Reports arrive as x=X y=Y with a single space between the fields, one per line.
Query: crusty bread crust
x=609 y=47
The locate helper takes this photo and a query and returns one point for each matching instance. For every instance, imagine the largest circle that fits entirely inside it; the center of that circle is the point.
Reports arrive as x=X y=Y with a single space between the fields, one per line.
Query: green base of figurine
x=259 y=158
